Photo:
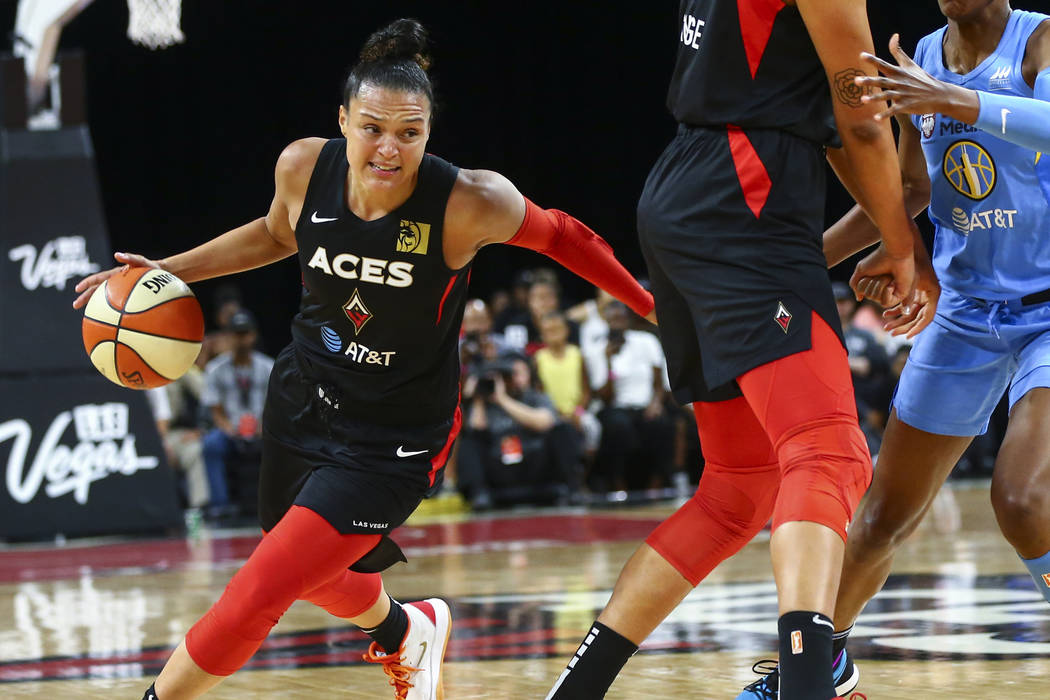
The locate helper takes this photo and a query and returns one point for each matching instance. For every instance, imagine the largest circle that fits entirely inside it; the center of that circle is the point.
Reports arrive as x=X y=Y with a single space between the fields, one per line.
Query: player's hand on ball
x=86 y=287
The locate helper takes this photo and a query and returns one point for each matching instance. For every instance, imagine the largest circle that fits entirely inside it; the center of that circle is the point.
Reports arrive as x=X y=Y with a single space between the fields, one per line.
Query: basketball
x=143 y=328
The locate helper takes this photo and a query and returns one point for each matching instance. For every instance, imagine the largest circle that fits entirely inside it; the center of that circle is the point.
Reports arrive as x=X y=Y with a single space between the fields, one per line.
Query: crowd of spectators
x=566 y=403
x=209 y=419
x=563 y=403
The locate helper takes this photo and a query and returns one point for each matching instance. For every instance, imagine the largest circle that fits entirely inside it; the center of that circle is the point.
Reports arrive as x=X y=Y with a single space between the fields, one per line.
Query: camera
x=487 y=374
x=486 y=386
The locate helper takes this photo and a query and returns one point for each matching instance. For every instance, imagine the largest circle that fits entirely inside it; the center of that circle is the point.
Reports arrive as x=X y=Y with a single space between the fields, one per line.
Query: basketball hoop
x=155 y=23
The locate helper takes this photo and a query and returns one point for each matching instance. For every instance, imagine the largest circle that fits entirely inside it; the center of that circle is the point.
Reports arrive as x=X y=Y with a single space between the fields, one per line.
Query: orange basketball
x=143 y=328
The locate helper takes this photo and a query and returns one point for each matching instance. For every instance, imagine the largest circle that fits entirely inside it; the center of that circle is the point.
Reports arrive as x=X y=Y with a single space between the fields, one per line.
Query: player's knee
x=728 y=509
x=825 y=470
x=882 y=525
x=1020 y=508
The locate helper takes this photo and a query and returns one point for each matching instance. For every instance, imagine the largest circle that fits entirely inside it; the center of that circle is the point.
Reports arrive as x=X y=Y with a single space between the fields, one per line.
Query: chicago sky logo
x=970 y=169
x=331 y=339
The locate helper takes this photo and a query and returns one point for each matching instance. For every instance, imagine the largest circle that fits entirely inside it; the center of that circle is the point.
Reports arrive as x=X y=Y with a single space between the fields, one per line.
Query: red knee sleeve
x=825 y=470
x=302 y=552
x=806 y=403
x=728 y=509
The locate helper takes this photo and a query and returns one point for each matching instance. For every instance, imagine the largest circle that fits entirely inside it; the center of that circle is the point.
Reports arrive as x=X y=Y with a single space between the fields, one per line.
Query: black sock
x=805 y=656
x=150 y=693
x=838 y=642
x=594 y=666
x=390 y=632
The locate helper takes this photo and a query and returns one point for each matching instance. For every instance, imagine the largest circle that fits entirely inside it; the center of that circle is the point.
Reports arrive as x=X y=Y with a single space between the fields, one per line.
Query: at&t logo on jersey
x=331 y=339
x=970 y=169
x=365 y=269
x=361 y=354
x=692 y=29
x=966 y=222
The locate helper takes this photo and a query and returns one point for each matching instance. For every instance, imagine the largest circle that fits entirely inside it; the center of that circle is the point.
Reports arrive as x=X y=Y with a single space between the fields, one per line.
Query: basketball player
x=977 y=92
x=730 y=221
x=363 y=405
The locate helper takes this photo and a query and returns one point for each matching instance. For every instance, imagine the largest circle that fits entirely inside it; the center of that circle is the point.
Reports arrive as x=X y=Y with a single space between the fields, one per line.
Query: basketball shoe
x=845 y=673
x=415 y=671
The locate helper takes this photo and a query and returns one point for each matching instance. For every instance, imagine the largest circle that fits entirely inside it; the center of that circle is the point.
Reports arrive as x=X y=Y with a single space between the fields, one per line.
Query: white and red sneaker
x=415 y=672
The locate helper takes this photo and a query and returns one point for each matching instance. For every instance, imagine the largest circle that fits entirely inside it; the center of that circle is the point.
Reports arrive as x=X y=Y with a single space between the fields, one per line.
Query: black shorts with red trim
x=362 y=478
x=731 y=227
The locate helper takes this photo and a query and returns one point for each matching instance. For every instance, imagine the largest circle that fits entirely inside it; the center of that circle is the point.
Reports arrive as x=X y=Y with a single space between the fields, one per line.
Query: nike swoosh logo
x=818 y=621
x=419 y=662
x=322 y=220
x=1005 y=112
x=401 y=452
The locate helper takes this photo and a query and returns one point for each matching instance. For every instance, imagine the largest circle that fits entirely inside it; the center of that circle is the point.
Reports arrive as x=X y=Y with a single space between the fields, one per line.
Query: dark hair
x=394 y=57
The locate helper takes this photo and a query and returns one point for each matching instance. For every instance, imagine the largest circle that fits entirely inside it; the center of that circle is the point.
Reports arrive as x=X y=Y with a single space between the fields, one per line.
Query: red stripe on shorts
x=749 y=170
x=440 y=458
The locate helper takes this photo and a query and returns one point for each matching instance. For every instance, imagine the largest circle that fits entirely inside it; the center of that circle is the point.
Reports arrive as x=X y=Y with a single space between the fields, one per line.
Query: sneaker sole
x=850 y=684
x=443 y=622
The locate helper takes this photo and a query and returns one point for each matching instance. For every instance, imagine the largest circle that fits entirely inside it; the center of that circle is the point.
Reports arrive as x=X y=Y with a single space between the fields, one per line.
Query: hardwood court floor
x=960 y=618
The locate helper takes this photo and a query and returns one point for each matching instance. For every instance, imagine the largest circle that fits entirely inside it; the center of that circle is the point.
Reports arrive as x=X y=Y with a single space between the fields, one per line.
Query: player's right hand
x=884 y=279
x=86 y=287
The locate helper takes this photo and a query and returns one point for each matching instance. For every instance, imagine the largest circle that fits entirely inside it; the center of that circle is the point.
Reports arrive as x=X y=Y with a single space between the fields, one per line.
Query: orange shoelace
x=392 y=666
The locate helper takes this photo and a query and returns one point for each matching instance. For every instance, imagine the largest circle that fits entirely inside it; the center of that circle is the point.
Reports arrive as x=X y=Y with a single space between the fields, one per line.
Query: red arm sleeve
x=568 y=241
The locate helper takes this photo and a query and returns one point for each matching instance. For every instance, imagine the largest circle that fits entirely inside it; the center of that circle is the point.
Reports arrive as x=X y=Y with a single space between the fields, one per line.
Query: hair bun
x=403 y=39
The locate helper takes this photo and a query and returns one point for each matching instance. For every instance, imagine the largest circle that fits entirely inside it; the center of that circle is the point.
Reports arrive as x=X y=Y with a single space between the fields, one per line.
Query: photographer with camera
x=513 y=447
x=626 y=373
x=477 y=342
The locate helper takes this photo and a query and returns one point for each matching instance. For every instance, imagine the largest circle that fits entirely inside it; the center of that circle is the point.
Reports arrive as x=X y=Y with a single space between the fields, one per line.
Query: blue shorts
x=962 y=363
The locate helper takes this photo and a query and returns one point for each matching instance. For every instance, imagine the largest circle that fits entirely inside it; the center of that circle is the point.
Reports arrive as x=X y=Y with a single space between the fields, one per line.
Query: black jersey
x=750 y=63
x=380 y=312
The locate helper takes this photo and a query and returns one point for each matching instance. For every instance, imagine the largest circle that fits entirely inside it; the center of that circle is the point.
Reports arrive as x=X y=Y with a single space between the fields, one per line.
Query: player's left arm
x=1020 y=120
x=485 y=208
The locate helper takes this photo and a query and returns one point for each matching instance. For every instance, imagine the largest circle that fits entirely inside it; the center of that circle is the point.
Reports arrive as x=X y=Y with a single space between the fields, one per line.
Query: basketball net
x=155 y=23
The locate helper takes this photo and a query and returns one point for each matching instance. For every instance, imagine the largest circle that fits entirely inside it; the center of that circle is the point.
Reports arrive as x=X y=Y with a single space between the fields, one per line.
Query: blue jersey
x=989 y=198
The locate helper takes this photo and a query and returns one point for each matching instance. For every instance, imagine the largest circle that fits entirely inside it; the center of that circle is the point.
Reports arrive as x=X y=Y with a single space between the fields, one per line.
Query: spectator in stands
x=563 y=377
x=627 y=374
x=234 y=392
x=513 y=447
x=219 y=339
x=183 y=442
x=512 y=322
x=869 y=366
x=544 y=298
x=590 y=315
x=477 y=343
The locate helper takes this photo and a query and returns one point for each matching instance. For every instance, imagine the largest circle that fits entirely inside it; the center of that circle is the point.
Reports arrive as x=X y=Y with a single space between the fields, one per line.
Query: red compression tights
x=303 y=557
x=790 y=448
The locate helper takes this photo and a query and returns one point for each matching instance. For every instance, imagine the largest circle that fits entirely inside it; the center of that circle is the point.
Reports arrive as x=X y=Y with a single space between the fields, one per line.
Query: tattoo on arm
x=847 y=91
